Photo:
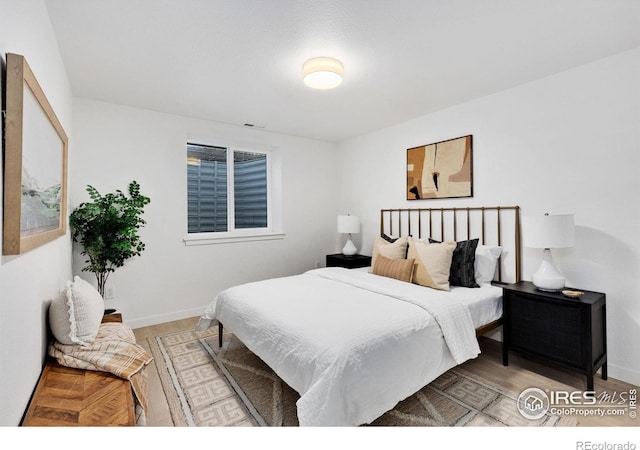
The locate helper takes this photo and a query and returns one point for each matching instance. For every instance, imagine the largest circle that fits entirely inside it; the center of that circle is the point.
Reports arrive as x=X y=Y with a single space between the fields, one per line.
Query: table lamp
x=547 y=232
x=348 y=225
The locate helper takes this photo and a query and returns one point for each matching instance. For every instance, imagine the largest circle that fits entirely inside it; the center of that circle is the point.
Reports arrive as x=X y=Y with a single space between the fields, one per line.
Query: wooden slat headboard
x=492 y=225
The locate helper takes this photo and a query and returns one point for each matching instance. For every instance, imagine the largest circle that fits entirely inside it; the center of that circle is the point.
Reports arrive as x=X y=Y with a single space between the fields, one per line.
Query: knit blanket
x=115 y=351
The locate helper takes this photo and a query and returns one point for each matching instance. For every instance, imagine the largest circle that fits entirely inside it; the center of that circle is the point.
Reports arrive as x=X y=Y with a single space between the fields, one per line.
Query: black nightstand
x=349 y=262
x=569 y=332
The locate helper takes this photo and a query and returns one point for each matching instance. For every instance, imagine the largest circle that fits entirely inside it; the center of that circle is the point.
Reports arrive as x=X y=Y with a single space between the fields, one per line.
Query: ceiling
x=240 y=61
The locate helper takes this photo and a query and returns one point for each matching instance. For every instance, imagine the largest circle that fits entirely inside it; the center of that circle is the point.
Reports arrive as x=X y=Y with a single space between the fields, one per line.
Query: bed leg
x=220 y=334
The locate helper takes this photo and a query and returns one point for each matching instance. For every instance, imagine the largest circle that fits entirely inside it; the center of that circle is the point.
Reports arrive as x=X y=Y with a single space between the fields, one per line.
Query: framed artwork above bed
x=440 y=170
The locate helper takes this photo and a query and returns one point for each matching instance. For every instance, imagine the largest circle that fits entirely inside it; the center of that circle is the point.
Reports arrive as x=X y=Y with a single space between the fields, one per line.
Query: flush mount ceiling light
x=322 y=73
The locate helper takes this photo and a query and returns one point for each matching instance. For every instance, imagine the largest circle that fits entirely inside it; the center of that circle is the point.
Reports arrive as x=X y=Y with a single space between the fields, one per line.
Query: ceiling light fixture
x=322 y=73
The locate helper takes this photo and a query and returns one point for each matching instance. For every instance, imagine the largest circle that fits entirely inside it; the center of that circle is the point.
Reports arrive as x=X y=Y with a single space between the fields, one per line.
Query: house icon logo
x=533 y=403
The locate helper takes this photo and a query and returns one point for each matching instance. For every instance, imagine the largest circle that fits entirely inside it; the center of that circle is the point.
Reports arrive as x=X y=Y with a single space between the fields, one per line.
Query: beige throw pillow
x=391 y=250
x=432 y=263
x=400 y=269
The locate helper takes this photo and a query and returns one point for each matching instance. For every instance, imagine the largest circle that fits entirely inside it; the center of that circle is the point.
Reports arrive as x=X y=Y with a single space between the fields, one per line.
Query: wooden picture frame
x=35 y=164
x=440 y=170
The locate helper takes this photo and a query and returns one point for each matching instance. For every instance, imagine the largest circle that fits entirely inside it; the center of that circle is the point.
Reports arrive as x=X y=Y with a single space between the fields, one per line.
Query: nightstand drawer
x=550 y=330
x=570 y=332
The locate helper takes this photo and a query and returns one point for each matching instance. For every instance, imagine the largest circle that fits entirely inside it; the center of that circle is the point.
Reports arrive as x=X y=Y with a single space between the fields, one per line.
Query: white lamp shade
x=548 y=231
x=348 y=224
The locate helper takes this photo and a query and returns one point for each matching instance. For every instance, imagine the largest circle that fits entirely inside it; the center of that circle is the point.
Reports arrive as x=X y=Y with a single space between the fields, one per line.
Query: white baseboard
x=623 y=374
x=163 y=318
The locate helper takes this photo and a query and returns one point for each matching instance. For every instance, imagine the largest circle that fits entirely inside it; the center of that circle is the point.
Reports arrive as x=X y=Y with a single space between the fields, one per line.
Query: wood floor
x=519 y=375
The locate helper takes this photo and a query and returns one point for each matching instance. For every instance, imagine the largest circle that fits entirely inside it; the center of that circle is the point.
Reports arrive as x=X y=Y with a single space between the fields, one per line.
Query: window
x=227 y=190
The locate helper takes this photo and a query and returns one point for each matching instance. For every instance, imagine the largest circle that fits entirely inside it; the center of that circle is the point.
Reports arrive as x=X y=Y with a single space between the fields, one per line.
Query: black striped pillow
x=462 y=264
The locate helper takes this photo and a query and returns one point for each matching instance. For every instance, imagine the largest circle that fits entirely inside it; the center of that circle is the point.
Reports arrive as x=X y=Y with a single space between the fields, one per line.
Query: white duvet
x=351 y=343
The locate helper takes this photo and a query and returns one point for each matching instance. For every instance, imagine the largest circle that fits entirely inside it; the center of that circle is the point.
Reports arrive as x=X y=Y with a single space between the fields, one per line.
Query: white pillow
x=75 y=316
x=485 y=263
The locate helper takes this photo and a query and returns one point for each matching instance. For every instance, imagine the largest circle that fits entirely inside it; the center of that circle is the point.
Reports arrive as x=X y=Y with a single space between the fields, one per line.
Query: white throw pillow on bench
x=75 y=316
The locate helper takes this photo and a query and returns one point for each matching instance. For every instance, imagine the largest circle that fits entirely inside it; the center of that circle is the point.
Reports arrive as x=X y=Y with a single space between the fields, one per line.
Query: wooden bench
x=66 y=396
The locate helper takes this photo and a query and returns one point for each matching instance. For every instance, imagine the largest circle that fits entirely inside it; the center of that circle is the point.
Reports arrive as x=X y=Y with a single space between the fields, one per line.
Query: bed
x=353 y=343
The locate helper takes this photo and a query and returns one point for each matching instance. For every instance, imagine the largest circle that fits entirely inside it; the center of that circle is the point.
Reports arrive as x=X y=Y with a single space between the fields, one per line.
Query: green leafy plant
x=107 y=228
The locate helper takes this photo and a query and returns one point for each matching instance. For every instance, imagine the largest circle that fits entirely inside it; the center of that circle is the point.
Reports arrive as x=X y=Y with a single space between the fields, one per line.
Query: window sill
x=211 y=238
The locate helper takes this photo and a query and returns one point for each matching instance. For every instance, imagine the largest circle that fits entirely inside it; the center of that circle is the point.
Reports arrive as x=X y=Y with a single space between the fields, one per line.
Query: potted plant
x=107 y=228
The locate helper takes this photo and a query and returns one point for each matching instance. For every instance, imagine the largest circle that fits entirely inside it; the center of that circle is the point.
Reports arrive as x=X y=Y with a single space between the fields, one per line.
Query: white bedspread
x=352 y=344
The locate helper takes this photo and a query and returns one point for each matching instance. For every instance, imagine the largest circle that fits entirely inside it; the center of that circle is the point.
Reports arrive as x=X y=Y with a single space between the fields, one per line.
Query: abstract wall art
x=440 y=170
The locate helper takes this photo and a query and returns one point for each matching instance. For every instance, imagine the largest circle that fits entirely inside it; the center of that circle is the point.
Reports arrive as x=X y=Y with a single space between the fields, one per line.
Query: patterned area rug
x=208 y=386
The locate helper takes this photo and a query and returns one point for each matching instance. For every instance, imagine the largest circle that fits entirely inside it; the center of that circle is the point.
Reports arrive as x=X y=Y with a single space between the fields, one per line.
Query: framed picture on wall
x=35 y=166
x=440 y=170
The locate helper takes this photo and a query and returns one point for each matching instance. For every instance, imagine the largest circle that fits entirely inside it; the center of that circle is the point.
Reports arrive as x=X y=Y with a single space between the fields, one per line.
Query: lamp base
x=349 y=249
x=548 y=277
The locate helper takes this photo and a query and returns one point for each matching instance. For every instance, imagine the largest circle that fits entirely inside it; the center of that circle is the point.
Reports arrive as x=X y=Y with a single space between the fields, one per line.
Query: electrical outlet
x=317 y=264
x=109 y=292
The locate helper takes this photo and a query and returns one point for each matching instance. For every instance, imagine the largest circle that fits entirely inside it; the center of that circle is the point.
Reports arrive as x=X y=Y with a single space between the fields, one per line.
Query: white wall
x=28 y=282
x=566 y=143
x=115 y=145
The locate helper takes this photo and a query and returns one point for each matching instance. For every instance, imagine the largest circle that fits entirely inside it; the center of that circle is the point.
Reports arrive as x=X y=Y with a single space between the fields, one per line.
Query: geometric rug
x=209 y=386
